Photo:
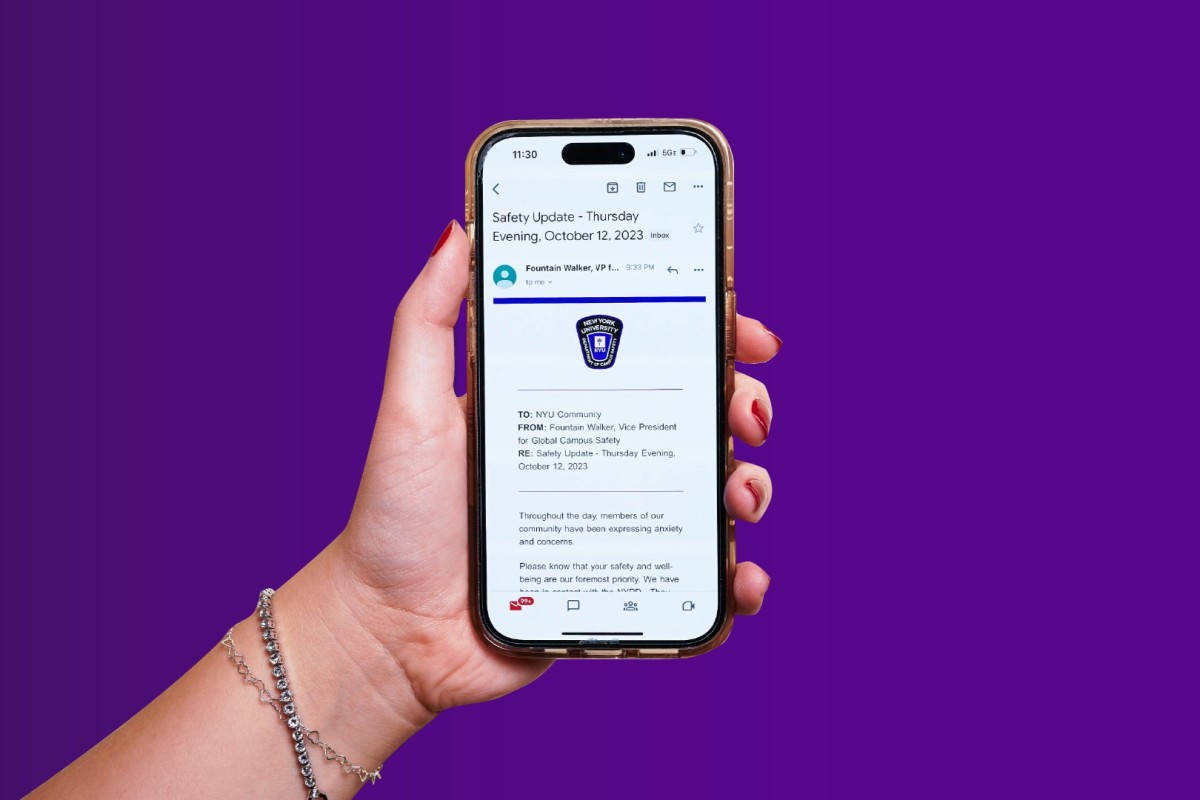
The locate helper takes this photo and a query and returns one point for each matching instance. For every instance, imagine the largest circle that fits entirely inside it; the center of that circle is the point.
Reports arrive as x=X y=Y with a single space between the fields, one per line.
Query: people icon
x=504 y=276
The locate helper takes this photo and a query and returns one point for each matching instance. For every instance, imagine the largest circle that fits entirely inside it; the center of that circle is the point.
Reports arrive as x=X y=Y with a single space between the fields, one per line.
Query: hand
x=405 y=547
x=376 y=629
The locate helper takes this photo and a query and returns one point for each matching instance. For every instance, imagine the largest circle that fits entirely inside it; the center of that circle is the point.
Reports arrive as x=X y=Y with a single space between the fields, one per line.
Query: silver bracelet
x=275 y=656
x=264 y=695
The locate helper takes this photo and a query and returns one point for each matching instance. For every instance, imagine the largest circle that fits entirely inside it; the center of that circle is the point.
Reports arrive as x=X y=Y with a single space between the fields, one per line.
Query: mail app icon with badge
x=668 y=186
x=599 y=336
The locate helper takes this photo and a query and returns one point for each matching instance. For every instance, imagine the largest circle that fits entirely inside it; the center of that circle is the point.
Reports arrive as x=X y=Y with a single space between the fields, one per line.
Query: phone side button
x=470 y=231
x=730 y=323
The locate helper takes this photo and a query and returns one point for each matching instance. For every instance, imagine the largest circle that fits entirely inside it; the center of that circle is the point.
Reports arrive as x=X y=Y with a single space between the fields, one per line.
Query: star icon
x=698 y=228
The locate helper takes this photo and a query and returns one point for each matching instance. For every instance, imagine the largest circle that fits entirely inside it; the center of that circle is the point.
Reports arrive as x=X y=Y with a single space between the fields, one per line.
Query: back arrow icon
x=494 y=188
x=672 y=269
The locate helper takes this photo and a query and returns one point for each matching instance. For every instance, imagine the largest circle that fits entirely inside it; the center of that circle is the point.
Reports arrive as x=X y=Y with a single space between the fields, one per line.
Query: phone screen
x=600 y=306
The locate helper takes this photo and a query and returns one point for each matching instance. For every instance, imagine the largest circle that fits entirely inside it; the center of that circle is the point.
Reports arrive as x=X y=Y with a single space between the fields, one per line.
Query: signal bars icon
x=652 y=153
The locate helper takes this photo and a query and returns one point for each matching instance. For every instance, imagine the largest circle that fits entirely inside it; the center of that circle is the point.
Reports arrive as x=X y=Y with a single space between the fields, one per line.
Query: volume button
x=470 y=231
x=730 y=323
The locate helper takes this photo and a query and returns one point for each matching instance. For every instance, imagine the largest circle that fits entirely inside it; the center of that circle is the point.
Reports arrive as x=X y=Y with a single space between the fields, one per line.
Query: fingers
x=749 y=585
x=747 y=492
x=750 y=410
x=420 y=370
x=755 y=344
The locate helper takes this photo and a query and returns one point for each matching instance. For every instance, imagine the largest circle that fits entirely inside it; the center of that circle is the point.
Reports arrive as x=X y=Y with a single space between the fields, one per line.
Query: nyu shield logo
x=599 y=336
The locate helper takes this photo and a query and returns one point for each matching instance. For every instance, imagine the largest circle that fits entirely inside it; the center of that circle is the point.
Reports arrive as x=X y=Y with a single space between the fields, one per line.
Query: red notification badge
x=525 y=601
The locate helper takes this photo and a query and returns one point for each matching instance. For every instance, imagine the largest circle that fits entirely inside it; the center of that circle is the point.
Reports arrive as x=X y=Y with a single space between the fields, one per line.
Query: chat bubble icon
x=572 y=605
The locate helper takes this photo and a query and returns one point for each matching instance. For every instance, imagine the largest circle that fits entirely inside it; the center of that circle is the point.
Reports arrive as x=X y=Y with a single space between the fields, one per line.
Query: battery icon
x=687 y=151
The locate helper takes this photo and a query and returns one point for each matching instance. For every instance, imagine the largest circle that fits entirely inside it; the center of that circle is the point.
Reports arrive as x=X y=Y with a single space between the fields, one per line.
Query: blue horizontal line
x=507 y=301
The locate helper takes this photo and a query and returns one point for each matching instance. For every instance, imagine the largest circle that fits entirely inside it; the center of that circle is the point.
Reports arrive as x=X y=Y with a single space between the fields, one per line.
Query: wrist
x=347 y=684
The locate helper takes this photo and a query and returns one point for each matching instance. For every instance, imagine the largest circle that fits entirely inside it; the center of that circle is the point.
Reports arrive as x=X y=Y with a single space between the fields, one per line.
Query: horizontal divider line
x=600 y=390
x=509 y=301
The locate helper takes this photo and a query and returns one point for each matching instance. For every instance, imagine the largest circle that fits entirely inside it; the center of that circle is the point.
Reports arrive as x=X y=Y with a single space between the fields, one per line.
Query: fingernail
x=756 y=489
x=757 y=412
x=442 y=239
x=769 y=332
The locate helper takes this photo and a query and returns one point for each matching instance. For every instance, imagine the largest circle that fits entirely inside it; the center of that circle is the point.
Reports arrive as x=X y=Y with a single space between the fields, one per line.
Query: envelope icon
x=513 y=605
x=668 y=186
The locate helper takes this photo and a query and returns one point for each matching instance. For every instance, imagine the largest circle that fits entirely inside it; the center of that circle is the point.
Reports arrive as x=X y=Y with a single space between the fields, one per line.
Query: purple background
x=973 y=226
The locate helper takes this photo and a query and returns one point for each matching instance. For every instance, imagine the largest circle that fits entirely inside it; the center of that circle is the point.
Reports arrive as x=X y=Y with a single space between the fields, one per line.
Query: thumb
x=420 y=370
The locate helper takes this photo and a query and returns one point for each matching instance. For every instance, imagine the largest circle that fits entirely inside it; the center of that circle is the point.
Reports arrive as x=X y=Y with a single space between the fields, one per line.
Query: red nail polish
x=756 y=493
x=757 y=412
x=442 y=239
x=769 y=332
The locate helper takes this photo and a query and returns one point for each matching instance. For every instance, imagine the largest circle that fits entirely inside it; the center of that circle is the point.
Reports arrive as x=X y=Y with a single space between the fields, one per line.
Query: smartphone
x=600 y=365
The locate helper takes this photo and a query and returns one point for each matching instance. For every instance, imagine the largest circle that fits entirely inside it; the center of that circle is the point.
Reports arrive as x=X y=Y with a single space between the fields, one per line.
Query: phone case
x=730 y=346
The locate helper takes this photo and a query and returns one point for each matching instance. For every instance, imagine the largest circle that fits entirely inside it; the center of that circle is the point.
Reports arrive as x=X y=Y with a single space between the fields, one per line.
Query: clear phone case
x=725 y=623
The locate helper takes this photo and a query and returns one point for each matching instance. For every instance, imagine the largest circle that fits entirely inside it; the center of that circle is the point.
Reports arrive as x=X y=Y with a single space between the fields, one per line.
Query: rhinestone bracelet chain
x=275 y=656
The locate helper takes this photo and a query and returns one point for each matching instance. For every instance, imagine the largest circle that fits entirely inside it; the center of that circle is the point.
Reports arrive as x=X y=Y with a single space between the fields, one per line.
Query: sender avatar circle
x=504 y=276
